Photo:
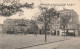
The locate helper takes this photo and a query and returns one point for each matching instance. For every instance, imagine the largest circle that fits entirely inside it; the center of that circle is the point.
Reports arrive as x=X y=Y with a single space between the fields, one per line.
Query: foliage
x=32 y=26
x=47 y=14
x=65 y=20
x=12 y=9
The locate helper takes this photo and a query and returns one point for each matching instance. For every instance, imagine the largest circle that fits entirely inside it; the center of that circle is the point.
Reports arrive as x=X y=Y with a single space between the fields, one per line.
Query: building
x=73 y=22
x=20 y=26
x=55 y=25
x=15 y=25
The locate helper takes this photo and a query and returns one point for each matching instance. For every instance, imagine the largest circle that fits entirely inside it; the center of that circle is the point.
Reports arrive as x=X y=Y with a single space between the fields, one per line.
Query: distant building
x=14 y=25
x=55 y=24
x=72 y=25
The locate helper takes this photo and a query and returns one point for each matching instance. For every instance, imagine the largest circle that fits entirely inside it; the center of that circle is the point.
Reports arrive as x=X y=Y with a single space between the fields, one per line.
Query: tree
x=46 y=17
x=32 y=27
x=66 y=15
x=48 y=13
x=13 y=8
x=64 y=21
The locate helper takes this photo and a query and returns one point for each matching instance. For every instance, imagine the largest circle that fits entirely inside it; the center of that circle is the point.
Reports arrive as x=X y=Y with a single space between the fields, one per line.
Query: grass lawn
x=8 y=41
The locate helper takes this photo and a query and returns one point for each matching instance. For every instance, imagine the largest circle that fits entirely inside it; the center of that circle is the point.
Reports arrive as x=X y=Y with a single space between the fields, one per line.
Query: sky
x=31 y=13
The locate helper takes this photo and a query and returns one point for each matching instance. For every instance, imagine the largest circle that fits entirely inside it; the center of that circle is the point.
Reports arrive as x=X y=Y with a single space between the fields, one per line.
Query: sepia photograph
x=39 y=24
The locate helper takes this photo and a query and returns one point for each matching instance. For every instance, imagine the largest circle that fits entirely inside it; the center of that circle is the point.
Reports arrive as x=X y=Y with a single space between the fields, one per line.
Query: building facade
x=15 y=25
x=74 y=20
x=55 y=25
